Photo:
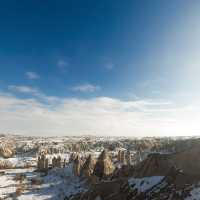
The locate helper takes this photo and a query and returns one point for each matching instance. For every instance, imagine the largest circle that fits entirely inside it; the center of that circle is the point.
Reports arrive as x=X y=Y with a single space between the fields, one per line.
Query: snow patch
x=143 y=184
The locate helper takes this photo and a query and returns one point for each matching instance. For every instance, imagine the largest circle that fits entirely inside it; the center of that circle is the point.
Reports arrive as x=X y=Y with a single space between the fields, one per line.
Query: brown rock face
x=54 y=162
x=6 y=164
x=119 y=156
x=123 y=157
x=6 y=152
x=58 y=162
x=104 y=166
x=72 y=157
x=42 y=163
x=46 y=164
x=153 y=165
x=77 y=166
x=128 y=158
x=160 y=164
x=108 y=190
x=88 y=167
x=188 y=160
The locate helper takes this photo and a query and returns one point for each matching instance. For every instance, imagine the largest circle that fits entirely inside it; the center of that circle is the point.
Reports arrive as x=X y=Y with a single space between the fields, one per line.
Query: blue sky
x=110 y=54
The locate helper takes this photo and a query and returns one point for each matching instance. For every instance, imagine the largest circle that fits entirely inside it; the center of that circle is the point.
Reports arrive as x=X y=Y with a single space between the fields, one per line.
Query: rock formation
x=6 y=152
x=153 y=165
x=41 y=163
x=88 y=167
x=160 y=164
x=123 y=157
x=128 y=158
x=46 y=164
x=104 y=166
x=119 y=156
x=54 y=160
x=72 y=157
x=77 y=166
x=6 y=164
x=108 y=190
x=58 y=162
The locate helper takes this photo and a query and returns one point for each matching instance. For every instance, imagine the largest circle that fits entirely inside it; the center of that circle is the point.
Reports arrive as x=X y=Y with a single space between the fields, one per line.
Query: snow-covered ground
x=195 y=194
x=143 y=184
x=7 y=183
x=56 y=185
x=19 y=161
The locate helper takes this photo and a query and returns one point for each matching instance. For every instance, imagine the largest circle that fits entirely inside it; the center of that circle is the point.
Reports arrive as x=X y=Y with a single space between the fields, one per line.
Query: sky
x=109 y=67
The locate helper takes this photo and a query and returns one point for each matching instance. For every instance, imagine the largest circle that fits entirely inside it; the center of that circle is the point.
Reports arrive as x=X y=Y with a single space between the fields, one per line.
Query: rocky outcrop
x=56 y=162
x=122 y=172
x=128 y=158
x=109 y=190
x=6 y=152
x=119 y=156
x=42 y=163
x=6 y=164
x=104 y=166
x=153 y=165
x=121 y=189
x=72 y=157
x=77 y=166
x=124 y=157
x=88 y=167
x=160 y=164
x=188 y=160
x=167 y=189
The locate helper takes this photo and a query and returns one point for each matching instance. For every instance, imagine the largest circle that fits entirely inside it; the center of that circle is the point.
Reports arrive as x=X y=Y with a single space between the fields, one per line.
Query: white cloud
x=32 y=92
x=85 y=88
x=62 y=65
x=24 y=89
x=32 y=75
x=109 y=66
x=97 y=116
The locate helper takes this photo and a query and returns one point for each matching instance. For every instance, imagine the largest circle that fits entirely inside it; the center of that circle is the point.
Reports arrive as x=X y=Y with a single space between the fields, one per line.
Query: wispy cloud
x=85 y=88
x=33 y=92
x=109 y=66
x=24 y=89
x=62 y=64
x=32 y=75
x=151 y=83
x=99 y=116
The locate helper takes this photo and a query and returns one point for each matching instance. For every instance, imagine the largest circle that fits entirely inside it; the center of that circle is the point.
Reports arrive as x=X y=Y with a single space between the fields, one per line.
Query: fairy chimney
x=72 y=157
x=104 y=166
x=128 y=157
x=58 y=162
x=76 y=147
x=46 y=164
x=123 y=157
x=41 y=163
x=88 y=167
x=54 y=162
x=64 y=162
x=6 y=152
x=77 y=166
x=38 y=163
x=119 y=156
